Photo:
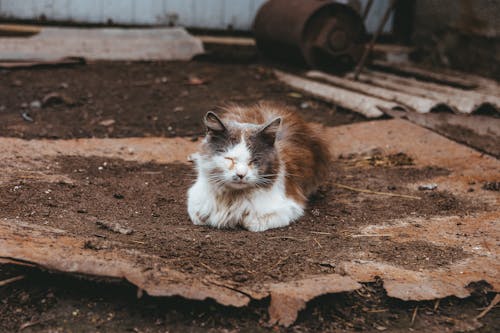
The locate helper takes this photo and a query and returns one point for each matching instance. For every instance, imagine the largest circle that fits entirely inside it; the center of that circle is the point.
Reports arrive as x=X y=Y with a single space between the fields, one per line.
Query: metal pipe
x=369 y=49
x=367 y=9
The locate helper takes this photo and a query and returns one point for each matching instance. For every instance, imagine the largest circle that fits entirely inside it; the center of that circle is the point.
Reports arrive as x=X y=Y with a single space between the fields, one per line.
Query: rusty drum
x=320 y=33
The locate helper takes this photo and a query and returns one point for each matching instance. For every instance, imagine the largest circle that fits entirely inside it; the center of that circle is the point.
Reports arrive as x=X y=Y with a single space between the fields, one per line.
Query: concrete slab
x=103 y=44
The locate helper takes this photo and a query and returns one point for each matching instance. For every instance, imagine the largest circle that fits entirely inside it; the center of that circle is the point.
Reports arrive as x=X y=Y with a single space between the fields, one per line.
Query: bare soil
x=141 y=99
x=156 y=99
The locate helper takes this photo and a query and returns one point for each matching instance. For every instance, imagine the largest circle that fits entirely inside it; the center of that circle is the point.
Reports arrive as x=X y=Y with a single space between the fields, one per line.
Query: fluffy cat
x=256 y=168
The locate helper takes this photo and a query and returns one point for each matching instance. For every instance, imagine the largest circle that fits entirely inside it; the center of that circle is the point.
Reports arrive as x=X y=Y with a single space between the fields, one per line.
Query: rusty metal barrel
x=320 y=33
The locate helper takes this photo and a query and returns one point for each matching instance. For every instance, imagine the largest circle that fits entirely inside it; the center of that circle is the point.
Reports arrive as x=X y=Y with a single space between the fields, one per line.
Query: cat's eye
x=230 y=161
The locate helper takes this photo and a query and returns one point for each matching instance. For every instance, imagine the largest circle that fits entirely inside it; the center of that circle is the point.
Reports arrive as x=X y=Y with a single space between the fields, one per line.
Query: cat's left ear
x=213 y=123
x=270 y=130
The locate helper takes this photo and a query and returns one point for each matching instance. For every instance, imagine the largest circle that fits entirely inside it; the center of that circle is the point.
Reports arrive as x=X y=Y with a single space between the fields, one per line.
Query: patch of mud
x=149 y=199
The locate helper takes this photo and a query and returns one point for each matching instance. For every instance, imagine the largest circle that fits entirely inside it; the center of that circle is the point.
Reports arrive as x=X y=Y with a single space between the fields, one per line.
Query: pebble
x=36 y=104
x=427 y=187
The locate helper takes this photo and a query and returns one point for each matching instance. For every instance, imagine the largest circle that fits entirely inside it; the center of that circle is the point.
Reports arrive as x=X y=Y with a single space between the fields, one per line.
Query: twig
x=494 y=302
x=320 y=233
x=209 y=268
x=279 y=262
x=14 y=279
x=376 y=192
x=33 y=323
x=288 y=237
x=377 y=235
x=377 y=310
x=436 y=305
x=318 y=243
x=414 y=316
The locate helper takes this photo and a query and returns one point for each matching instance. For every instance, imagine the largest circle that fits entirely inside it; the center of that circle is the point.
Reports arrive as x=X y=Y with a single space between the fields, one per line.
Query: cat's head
x=240 y=156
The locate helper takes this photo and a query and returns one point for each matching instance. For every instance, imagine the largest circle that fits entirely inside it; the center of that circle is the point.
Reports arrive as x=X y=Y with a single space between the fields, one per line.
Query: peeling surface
x=287 y=299
x=57 y=250
x=476 y=233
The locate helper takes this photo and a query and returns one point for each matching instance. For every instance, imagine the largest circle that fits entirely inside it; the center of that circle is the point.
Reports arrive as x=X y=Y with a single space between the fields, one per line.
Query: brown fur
x=298 y=145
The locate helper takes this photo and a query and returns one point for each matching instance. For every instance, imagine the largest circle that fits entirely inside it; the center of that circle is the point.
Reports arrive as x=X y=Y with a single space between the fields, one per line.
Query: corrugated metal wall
x=209 y=14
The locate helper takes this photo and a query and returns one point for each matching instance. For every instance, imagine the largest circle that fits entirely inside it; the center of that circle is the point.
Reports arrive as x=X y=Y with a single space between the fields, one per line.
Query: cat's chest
x=243 y=205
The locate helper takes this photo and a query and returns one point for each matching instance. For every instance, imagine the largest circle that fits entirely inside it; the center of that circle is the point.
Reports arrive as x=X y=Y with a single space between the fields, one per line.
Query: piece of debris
x=491 y=186
x=115 y=227
x=377 y=192
x=107 y=122
x=295 y=95
x=64 y=62
x=358 y=102
x=26 y=116
x=427 y=187
x=91 y=245
x=11 y=280
x=118 y=196
x=57 y=98
x=195 y=81
x=493 y=303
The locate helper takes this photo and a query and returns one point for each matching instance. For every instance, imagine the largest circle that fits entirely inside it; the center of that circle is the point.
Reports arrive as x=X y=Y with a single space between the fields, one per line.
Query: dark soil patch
x=117 y=99
x=486 y=143
x=150 y=200
x=60 y=303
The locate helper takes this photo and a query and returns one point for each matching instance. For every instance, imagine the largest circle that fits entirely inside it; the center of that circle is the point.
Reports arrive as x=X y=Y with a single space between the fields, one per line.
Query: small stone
x=304 y=105
x=64 y=85
x=107 y=122
x=36 y=104
x=315 y=212
x=240 y=277
x=295 y=95
x=427 y=187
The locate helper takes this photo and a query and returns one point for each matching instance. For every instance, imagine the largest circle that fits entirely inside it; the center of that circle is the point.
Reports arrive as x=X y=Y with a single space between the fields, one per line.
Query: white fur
x=258 y=210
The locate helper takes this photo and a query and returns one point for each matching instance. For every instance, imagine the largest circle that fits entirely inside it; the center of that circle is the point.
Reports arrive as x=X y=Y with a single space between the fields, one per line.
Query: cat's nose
x=241 y=171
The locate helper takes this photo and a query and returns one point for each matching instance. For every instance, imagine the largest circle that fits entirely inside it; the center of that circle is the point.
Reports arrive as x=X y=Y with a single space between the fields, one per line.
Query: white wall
x=210 y=14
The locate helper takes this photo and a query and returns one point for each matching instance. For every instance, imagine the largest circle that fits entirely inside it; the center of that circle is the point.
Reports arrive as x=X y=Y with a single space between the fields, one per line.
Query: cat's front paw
x=198 y=219
x=266 y=222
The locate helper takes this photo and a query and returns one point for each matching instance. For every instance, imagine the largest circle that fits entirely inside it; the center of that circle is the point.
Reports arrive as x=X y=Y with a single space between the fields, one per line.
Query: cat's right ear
x=213 y=124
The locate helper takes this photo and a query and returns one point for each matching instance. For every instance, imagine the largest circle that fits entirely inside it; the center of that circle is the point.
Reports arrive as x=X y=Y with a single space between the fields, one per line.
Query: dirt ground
x=169 y=99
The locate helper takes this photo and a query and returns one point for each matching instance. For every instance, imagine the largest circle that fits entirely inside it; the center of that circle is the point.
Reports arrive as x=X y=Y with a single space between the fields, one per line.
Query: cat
x=256 y=168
